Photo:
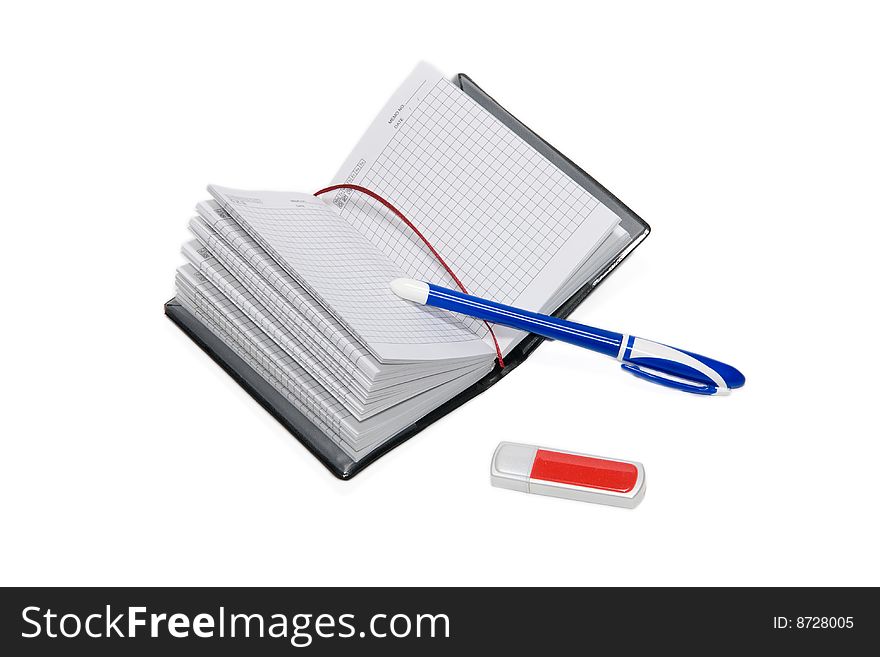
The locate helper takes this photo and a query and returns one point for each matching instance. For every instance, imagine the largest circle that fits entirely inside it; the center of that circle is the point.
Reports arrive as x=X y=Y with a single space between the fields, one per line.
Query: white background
x=747 y=138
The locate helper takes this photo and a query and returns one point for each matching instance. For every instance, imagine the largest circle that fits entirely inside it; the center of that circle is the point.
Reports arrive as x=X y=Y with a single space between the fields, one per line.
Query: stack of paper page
x=298 y=286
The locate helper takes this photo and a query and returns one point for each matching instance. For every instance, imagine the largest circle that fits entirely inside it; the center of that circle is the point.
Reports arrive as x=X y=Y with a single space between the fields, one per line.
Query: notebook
x=290 y=293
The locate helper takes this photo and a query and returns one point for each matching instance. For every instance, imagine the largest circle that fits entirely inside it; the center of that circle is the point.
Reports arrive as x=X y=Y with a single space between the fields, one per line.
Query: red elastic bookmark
x=412 y=226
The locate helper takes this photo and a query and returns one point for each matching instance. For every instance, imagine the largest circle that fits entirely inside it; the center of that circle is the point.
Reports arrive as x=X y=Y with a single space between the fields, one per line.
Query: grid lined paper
x=199 y=296
x=353 y=398
x=236 y=330
x=279 y=292
x=496 y=209
x=347 y=273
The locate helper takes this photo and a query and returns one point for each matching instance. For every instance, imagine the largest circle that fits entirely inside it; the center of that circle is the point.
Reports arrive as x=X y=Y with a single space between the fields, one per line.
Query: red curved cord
x=411 y=225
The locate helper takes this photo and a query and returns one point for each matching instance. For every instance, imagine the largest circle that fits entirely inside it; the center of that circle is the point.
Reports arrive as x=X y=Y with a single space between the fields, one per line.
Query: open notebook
x=290 y=292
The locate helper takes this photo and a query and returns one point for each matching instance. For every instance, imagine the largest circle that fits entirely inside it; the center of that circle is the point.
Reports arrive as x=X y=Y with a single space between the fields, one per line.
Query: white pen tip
x=407 y=288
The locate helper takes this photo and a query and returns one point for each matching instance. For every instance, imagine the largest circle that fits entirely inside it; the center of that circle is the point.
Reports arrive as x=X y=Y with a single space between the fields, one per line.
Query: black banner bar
x=168 y=621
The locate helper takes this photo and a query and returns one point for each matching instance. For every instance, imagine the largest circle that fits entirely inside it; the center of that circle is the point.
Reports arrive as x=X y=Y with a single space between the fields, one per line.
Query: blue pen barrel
x=595 y=339
x=653 y=361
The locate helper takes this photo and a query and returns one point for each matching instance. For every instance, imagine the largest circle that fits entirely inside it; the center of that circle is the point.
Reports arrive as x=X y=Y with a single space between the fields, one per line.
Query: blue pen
x=656 y=362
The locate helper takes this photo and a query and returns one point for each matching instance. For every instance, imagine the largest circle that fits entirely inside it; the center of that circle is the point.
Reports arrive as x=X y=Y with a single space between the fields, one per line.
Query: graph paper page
x=511 y=225
x=284 y=373
x=348 y=275
x=280 y=293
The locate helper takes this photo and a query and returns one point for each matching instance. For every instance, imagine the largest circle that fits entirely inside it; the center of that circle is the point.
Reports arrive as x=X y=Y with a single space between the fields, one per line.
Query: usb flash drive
x=542 y=471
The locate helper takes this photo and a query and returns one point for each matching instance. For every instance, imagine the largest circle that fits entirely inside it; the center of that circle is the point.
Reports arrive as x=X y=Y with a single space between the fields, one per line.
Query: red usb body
x=542 y=471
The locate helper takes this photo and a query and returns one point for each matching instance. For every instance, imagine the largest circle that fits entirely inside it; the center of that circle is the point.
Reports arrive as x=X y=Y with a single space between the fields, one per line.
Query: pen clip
x=679 y=369
x=655 y=376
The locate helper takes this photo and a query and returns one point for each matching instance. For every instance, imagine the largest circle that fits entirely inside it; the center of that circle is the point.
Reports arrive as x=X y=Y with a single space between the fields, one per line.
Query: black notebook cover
x=315 y=440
